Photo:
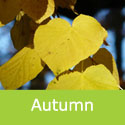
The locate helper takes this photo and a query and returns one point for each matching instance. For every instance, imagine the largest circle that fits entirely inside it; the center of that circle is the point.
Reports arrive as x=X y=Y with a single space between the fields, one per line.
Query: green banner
x=62 y=107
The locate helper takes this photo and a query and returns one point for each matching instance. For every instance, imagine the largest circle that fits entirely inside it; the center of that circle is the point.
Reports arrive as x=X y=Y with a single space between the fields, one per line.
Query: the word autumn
x=61 y=106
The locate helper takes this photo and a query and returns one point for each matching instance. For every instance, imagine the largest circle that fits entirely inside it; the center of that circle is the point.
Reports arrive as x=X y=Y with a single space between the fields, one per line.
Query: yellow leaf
x=1 y=24
x=8 y=10
x=66 y=3
x=20 y=15
x=23 y=67
x=38 y=10
x=83 y=65
x=62 y=46
x=93 y=78
x=104 y=57
x=21 y=33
